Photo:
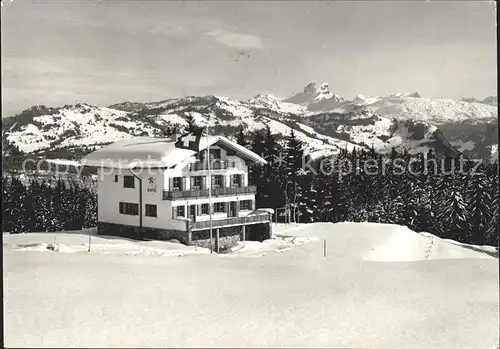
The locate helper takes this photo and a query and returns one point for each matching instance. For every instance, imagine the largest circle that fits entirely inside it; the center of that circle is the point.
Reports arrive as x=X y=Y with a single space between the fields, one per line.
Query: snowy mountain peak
x=314 y=92
x=404 y=94
x=265 y=98
x=314 y=88
x=322 y=120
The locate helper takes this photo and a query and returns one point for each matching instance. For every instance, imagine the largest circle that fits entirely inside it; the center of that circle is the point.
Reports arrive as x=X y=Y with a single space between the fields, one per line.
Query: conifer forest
x=450 y=197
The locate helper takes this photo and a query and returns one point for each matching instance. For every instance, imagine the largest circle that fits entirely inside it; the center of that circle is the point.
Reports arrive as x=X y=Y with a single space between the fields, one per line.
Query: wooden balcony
x=216 y=165
x=254 y=218
x=201 y=193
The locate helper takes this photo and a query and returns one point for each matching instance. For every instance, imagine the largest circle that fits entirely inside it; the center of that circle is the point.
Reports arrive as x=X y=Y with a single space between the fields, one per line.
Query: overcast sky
x=63 y=52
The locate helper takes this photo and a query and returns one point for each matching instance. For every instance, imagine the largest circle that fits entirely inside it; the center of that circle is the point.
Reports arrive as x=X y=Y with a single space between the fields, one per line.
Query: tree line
x=446 y=200
x=44 y=206
x=453 y=198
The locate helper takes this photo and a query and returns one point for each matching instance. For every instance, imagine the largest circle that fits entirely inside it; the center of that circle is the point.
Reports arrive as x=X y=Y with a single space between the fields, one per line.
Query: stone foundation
x=228 y=237
x=133 y=232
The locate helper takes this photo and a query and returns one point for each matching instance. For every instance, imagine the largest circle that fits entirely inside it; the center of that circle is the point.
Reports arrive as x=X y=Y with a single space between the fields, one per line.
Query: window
x=116 y=178
x=129 y=208
x=177 y=183
x=204 y=208
x=179 y=211
x=217 y=181
x=246 y=205
x=215 y=154
x=236 y=182
x=128 y=182
x=196 y=182
x=151 y=210
x=219 y=207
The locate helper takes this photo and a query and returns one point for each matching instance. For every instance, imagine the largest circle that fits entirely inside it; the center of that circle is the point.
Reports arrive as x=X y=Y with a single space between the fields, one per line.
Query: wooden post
x=217 y=241
x=189 y=232
x=89 y=241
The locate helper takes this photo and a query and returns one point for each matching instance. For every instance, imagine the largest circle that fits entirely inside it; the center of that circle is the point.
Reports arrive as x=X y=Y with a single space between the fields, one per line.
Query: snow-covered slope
x=490 y=100
x=379 y=286
x=436 y=111
x=81 y=125
x=324 y=121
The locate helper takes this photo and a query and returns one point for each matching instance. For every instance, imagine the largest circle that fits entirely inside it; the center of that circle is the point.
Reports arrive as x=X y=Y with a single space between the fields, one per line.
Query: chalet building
x=158 y=188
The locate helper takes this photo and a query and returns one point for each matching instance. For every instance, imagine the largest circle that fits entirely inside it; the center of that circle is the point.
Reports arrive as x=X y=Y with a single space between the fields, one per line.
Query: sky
x=104 y=52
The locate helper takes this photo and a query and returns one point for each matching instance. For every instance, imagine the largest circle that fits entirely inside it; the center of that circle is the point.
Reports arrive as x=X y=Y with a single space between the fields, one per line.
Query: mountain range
x=323 y=120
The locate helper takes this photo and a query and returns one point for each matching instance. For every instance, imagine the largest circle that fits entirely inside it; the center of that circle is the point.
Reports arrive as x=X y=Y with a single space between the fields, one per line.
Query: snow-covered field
x=379 y=286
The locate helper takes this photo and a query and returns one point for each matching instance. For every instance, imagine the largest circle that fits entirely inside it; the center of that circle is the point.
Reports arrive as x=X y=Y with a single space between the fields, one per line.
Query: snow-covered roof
x=149 y=152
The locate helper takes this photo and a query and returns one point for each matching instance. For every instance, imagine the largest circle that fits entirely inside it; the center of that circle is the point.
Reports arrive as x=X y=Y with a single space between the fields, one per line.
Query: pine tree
x=308 y=204
x=346 y=207
x=454 y=215
x=492 y=230
x=294 y=156
x=478 y=207
x=59 y=205
x=18 y=207
x=73 y=214
x=7 y=204
x=241 y=138
x=90 y=212
x=394 y=210
x=440 y=188
x=45 y=214
x=327 y=192
x=33 y=194
x=270 y=183
x=255 y=172
x=191 y=125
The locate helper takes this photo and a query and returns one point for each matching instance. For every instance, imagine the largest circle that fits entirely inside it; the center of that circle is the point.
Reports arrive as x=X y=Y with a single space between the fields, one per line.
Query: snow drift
x=374 y=289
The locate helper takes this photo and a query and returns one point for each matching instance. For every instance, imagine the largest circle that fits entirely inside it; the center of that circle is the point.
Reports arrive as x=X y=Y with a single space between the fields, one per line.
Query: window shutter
x=170 y=184
x=231 y=180
x=174 y=213
x=198 y=209
x=183 y=183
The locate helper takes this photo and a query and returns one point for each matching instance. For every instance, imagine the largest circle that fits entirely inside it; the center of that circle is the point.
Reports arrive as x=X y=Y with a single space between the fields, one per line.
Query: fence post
x=217 y=241
x=189 y=232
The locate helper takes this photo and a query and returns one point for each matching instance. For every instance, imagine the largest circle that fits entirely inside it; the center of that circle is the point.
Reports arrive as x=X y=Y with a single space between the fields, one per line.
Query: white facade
x=158 y=189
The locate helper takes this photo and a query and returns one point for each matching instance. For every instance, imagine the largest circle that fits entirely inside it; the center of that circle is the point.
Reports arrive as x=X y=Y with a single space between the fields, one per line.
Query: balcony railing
x=219 y=223
x=215 y=165
x=198 y=193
